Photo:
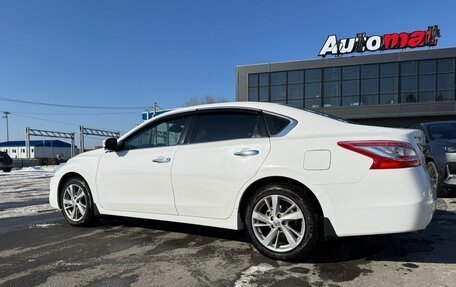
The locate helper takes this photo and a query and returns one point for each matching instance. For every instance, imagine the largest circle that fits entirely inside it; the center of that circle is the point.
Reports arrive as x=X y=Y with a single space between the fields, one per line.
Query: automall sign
x=362 y=43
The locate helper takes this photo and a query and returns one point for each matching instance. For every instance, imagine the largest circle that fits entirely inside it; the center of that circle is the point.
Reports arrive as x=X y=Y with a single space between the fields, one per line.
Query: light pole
x=5 y=116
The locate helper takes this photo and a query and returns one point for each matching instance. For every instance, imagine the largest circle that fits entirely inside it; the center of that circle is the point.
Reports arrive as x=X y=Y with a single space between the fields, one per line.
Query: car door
x=137 y=178
x=225 y=149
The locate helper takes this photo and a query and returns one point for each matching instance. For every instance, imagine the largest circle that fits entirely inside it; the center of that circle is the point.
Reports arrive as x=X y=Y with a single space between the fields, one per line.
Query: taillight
x=385 y=154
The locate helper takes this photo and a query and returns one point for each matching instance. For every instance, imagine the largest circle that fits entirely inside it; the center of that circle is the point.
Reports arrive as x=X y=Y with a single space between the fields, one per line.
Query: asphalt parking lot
x=37 y=248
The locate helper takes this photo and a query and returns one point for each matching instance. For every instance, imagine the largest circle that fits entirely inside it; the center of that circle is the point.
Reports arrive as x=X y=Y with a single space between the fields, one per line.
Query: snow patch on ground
x=248 y=276
x=26 y=210
x=44 y=225
x=28 y=188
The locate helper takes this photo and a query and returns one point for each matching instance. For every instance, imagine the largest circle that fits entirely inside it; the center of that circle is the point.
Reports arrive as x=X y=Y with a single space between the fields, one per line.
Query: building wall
x=38 y=152
x=15 y=152
x=373 y=89
x=52 y=152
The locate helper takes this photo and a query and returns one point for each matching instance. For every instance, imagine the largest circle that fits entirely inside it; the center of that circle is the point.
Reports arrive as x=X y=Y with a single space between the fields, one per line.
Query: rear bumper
x=385 y=202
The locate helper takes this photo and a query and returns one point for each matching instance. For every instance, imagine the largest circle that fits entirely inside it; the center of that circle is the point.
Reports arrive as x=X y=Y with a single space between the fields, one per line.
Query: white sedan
x=288 y=177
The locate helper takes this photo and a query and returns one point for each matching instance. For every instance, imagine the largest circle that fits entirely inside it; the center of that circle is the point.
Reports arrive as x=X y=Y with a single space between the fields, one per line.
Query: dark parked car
x=6 y=163
x=438 y=143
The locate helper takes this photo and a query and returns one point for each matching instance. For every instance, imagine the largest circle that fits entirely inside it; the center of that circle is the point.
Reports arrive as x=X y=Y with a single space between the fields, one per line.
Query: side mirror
x=110 y=144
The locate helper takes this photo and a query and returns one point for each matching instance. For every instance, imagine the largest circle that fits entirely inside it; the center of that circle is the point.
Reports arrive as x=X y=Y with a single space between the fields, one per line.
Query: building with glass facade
x=391 y=89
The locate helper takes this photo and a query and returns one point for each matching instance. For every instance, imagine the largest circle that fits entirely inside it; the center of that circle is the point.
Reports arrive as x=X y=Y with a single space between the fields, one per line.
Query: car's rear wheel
x=436 y=180
x=6 y=169
x=76 y=202
x=282 y=221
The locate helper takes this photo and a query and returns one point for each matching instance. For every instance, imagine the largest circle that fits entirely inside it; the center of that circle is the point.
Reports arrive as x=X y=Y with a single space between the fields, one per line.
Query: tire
x=7 y=169
x=305 y=231
x=432 y=170
x=73 y=206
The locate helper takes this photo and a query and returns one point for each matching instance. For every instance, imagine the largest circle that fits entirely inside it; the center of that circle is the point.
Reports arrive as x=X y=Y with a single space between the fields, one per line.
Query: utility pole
x=5 y=116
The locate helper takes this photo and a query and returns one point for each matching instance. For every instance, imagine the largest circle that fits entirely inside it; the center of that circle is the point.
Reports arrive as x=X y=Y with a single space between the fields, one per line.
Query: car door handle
x=162 y=159
x=247 y=152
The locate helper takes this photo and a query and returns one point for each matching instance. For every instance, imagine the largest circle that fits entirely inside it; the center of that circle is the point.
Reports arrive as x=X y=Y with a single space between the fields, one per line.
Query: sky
x=135 y=53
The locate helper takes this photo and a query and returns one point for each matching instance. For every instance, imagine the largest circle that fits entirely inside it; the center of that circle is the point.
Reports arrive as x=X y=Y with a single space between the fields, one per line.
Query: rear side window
x=276 y=124
x=226 y=126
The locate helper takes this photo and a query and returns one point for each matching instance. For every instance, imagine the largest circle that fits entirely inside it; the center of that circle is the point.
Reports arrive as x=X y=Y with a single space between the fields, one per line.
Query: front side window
x=210 y=127
x=166 y=133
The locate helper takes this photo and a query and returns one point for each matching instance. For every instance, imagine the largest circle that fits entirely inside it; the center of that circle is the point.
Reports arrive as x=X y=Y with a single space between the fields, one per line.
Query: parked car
x=437 y=141
x=6 y=163
x=288 y=177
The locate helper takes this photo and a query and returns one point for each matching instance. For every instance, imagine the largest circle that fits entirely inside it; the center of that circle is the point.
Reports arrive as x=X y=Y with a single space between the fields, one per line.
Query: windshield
x=443 y=131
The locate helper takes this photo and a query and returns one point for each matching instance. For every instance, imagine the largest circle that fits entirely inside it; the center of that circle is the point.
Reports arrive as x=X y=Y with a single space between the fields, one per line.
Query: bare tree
x=204 y=100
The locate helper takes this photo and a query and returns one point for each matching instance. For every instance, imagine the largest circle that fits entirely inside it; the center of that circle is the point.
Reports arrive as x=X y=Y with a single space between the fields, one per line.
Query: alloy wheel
x=278 y=223
x=75 y=202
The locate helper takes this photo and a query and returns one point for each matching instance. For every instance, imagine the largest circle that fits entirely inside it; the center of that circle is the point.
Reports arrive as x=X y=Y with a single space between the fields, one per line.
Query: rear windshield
x=327 y=116
x=443 y=131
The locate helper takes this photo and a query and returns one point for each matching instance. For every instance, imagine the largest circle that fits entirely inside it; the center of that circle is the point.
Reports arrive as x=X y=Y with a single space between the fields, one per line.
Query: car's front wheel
x=76 y=202
x=7 y=169
x=282 y=221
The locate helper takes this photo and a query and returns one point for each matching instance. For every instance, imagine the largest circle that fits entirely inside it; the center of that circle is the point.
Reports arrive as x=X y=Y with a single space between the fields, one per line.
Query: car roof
x=287 y=111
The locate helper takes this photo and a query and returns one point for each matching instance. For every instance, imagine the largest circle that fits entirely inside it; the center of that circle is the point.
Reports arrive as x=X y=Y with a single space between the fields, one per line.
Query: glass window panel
x=350 y=88
x=369 y=100
x=445 y=81
x=428 y=67
x=278 y=78
x=426 y=97
x=313 y=103
x=264 y=79
x=350 y=101
x=224 y=126
x=313 y=90
x=278 y=93
x=331 y=102
x=313 y=75
x=351 y=72
x=388 y=99
x=332 y=89
x=295 y=77
x=296 y=103
x=409 y=68
x=409 y=84
x=408 y=97
x=427 y=83
x=275 y=124
x=165 y=133
x=264 y=94
x=388 y=70
x=445 y=95
x=295 y=91
x=253 y=94
x=388 y=85
x=253 y=80
x=445 y=66
x=332 y=74
x=369 y=71
x=369 y=86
